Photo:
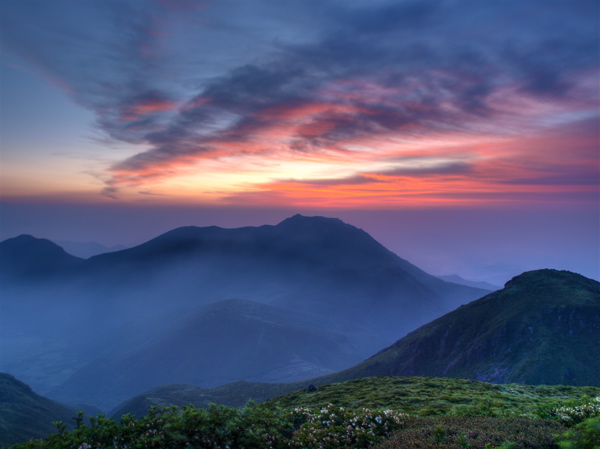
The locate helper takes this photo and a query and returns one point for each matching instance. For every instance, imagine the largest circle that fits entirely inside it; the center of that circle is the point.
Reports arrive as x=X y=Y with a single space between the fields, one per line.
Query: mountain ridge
x=338 y=274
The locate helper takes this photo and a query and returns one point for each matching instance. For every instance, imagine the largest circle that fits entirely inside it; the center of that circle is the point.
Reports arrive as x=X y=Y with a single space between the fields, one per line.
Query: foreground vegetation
x=559 y=421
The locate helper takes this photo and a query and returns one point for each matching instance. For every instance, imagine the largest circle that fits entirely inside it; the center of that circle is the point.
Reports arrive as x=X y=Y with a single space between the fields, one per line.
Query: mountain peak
x=302 y=220
x=28 y=255
x=542 y=277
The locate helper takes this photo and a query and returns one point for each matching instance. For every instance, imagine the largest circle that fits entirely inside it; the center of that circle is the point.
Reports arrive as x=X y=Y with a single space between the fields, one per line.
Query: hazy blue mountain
x=314 y=264
x=86 y=250
x=25 y=415
x=120 y=303
x=26 y=258
x=456 y=279
x=223 y=342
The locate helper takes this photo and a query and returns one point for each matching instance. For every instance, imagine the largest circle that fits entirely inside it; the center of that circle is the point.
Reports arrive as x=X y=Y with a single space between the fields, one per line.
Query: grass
x=426 y=396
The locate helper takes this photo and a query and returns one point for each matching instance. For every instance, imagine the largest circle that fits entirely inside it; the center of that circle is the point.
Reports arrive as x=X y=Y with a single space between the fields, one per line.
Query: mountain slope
x=223 y=342
x=25 y=415
x=543 y=327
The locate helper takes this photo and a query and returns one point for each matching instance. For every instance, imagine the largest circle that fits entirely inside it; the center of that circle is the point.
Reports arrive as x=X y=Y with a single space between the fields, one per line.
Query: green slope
x=543 y=327
x=25 y=415
x=428 y=396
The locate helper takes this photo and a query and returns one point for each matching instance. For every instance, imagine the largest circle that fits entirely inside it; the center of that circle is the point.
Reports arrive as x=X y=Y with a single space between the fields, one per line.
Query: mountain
x=543 y=327
x=456 y=279
x=312 y=264
x=88 y=249
x=25 y=415
x=25 y=257
x=75 y=314
x=220 y=343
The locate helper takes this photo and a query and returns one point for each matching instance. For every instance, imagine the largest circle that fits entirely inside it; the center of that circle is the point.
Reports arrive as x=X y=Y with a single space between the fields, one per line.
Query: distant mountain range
x=459 y=280
x=70 y=325
x=86 y=250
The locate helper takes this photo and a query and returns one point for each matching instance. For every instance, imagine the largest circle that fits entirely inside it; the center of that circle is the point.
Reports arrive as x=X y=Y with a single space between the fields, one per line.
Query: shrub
x=586 y=435
x=474 y=433
x=336 y=427
x=588 y=408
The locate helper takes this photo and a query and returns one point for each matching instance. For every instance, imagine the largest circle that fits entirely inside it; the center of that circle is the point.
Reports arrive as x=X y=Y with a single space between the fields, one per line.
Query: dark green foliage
x=333 y=427
x=585 y=435
x=477 y=433
x=217 y=426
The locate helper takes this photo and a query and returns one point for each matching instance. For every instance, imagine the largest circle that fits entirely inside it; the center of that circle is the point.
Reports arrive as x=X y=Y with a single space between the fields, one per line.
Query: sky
x=461 y=134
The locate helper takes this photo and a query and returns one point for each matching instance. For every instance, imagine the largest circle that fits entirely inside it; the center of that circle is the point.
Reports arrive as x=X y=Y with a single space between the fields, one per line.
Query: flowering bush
x=220 y=427
x=256 y=427
x=336 y=427
x=576 y=414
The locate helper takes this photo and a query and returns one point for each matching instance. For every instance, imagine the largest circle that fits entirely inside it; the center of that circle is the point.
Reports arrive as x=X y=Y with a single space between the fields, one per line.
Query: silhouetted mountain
x=26 y=258
x=313 y=264
x=543 y=327
x=456 y=279
x=118 y=304
x=25 y=415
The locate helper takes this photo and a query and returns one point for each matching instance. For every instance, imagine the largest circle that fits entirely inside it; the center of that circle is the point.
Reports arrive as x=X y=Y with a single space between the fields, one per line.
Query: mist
x=208 y=306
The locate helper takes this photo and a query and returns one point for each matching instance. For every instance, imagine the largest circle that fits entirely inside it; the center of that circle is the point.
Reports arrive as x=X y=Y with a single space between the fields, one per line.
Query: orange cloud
x=136 y=111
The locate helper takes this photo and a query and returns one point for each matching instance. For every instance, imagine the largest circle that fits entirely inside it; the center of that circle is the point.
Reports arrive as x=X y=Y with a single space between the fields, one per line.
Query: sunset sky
x=463 y=135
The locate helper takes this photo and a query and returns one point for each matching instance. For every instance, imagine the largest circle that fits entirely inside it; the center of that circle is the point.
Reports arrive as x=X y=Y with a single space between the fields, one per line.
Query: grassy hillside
x=25 y=414
x=543 y=327
x=426 y=396
x=423 y=396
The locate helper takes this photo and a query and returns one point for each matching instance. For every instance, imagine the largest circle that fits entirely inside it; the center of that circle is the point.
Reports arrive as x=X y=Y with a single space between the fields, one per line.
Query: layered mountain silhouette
x=334 y=282
x=543 y=327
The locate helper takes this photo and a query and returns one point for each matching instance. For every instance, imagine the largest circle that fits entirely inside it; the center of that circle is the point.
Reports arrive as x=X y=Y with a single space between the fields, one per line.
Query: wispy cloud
x=366 y=82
